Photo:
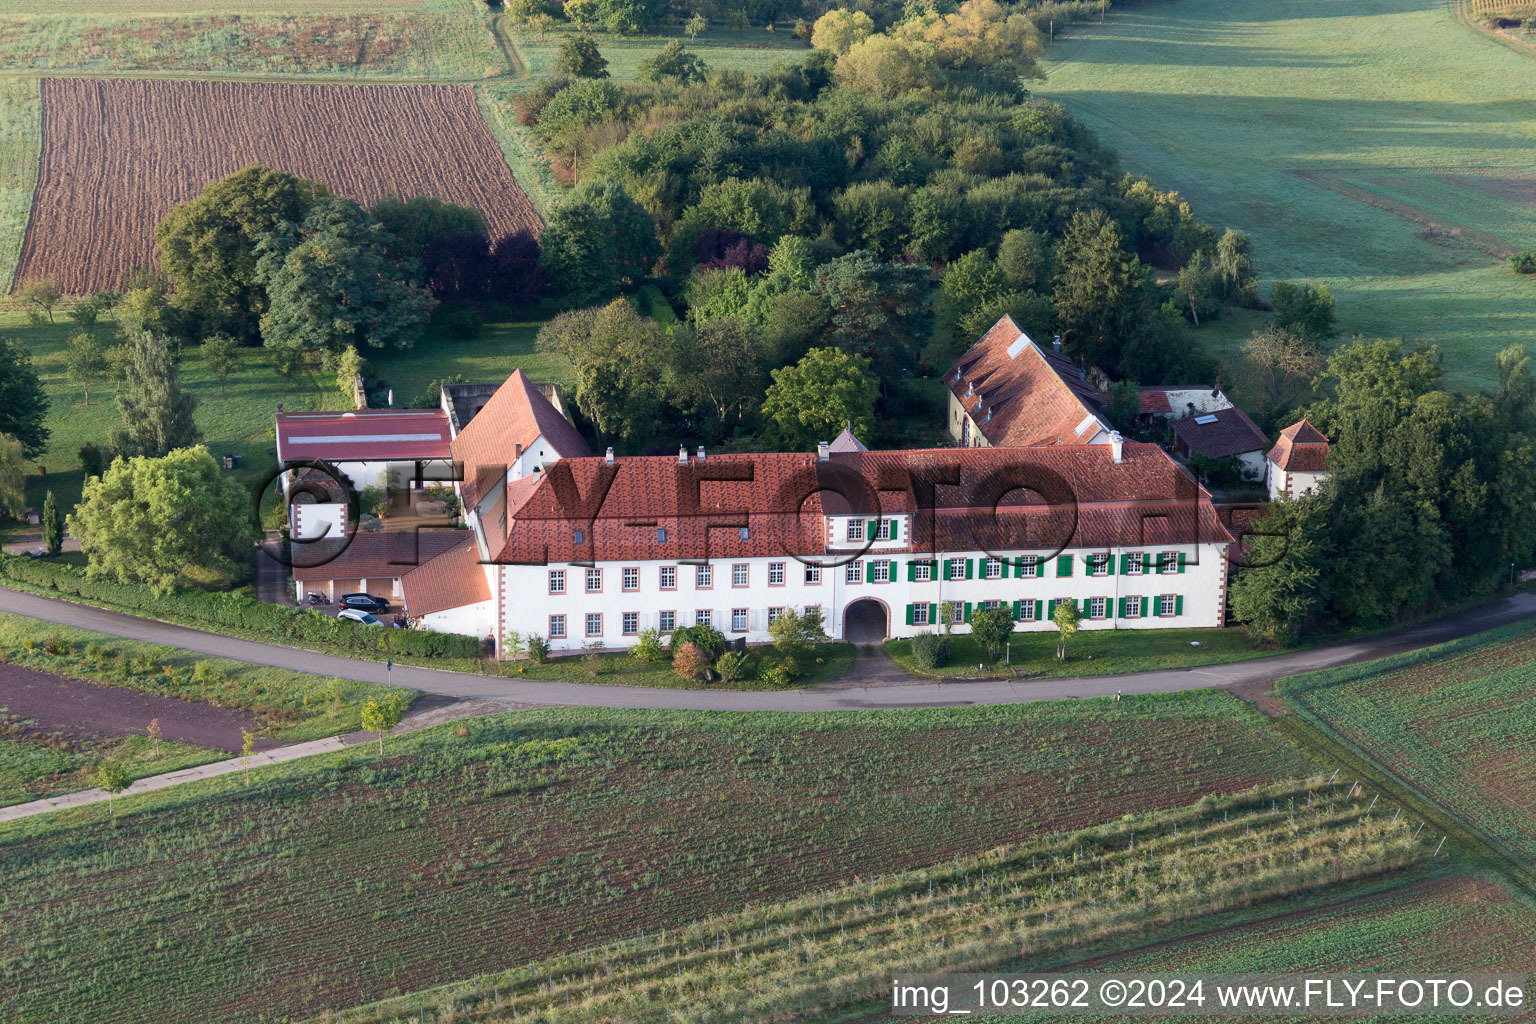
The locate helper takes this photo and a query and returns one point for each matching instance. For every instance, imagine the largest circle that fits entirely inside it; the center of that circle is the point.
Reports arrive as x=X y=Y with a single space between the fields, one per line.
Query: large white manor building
x=585 y=549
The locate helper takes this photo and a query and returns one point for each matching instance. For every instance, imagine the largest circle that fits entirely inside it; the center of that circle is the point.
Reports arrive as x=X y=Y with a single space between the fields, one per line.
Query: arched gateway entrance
x=865 y=621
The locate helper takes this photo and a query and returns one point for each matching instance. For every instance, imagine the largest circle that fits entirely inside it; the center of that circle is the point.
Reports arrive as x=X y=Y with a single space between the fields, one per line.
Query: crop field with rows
x=1457 y=722
x=117 y=155
x=535 y=833
x=833 y=952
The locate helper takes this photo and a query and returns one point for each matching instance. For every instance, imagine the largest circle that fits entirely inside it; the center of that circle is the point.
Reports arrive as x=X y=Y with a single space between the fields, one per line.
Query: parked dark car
x=363 y=602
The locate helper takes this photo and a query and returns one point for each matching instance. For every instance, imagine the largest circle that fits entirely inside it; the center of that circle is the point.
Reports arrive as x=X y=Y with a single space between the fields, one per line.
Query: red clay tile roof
x=381 y=555
x=517 y=414
x=1045 y=497
x=1224 y=432
x=1020 y=394
x=1302 y=448
x=451 y=580
x=1155 y=400
x=364 y=435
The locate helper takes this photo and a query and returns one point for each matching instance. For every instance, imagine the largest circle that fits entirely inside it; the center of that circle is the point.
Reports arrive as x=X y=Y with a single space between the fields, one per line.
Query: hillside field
x=327 y=883
x=420 y=40
x=1457 y=723
x=118 y=155
x=1378 y=145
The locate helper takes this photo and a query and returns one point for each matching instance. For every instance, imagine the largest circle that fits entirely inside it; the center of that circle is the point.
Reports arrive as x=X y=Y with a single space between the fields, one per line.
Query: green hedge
x=240 y=611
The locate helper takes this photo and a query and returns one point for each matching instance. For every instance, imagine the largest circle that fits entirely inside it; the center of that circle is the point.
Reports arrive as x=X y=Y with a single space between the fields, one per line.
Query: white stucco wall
x=1200 y=398
x=526 y=604
x=477 y=620
x=1254 y=464
x=1296 y=484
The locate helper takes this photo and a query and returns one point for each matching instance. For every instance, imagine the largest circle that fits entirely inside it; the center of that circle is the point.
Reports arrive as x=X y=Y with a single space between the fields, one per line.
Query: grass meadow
x=752 y=51
x=21 y=141
x=33 y=766
x=427 y=40
x=325 y=883
x=1454 y=722
x=1377 y=146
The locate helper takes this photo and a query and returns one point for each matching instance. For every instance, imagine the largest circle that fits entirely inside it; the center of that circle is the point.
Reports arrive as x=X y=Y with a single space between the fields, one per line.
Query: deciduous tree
x=598 y=240
x=580 y=58
x=992 y=627
x=86 y=360
x=157 y=413
x=814 y=399
x=1067 y=617
x=222 y=354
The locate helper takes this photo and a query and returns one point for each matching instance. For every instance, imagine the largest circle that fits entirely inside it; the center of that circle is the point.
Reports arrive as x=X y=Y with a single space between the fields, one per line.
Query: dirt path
x=47 y=703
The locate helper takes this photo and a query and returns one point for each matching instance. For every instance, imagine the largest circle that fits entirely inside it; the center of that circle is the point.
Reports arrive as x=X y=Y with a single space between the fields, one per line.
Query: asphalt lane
x=870 y=686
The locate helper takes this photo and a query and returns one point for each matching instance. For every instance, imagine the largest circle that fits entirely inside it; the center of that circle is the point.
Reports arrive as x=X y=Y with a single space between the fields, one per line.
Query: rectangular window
x=813 y=575
x=740 y=574
x=1168 y=563
x=632 y=577
x=661 y=534
x=557 y=627
x=594 y=623
x=1096 y=607
x=920 y=614
x=882 y=572
x=594 y=581
x=990 y=606
x=669 y=577
x=703 y=617
x=922 y=572
x=855 y=529
x=991 y=568
x=668 y=622
x=557 y=581
x=703 y=576
x=738 y=620
x=773 y=615
x=1132 y=607
x=852 y=573
x=1029 y=565
x=775 y=574
x=1098 y=565
x=1027 y=611
x=1134 y=563
x=956 y=612
x=956 y=569
x=883 y=529
x=631 y=623
x=1167 y=604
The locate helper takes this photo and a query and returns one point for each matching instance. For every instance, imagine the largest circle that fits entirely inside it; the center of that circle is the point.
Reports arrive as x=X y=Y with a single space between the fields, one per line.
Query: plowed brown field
x=118 y=154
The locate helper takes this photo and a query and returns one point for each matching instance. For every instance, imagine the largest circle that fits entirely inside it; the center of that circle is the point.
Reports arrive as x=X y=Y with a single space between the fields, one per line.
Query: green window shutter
x=1003 y=567
x=1122 y=608
x=910 y=614
x=1050 y=609
x=911 y=572
x=946 y=568
x=967 y=611
x=1018 y=610
x=871 y=530
x=970 y=571
x=1083 y=607
x=1178 y=605
x=869 y=572
x=1156 y=561
x=1109 y=562
x=894 y=535
x=1063 y=565
x=1037 y=611
x=1181 y=561
x=1125 y=564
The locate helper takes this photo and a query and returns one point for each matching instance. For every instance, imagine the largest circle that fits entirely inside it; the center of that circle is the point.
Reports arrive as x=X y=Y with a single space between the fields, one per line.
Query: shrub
x=930 y=651
x=648 y=647
x=734 y=666
x=538 y=649
x=688 y=661
x=1523 y=262
x=709 y=640
x=780 y=672
x=53 y=643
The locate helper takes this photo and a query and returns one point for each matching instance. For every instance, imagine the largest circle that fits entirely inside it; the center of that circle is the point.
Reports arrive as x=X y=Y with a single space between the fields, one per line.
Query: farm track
x=118 y=154
x=1492 y=245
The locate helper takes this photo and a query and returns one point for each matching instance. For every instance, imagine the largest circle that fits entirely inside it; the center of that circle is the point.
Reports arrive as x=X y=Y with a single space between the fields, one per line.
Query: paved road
x=868 y=687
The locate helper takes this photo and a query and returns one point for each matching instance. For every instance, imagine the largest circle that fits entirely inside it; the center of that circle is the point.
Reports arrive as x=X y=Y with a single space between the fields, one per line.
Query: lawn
x=1092 y=652
x=327 y=882
x=33 y=766
x=752 y=51
x=289 y=706
x=1455 y=722
x=418 y=40
x=1257 y=110
x=21 y=141
x=236 y=422
x=500 y=349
